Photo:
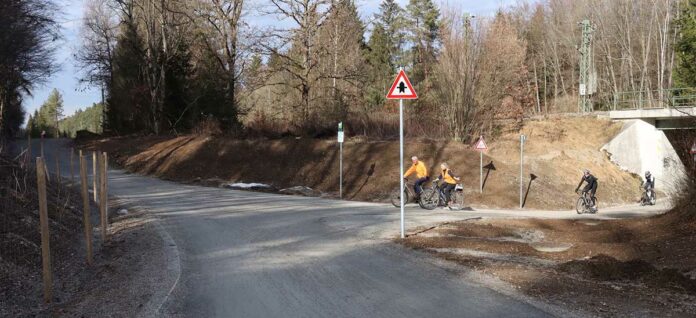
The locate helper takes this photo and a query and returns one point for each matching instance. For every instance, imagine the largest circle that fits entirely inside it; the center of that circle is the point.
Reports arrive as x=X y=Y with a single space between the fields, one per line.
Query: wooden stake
x=86 y=211
x=72 y=171
x=106 y=185
x=95 y=176
x=45 y=237
x=102 y=197
x=58 y=178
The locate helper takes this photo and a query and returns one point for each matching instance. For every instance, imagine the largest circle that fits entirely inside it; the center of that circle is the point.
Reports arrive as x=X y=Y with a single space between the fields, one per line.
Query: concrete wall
x=640 y=147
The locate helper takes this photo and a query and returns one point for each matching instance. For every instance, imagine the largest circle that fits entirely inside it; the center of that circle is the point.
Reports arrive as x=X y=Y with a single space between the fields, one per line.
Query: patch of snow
x=242 y=185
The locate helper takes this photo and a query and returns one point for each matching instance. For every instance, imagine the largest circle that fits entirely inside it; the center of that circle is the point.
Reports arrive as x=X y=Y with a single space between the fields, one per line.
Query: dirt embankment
x=556 y=151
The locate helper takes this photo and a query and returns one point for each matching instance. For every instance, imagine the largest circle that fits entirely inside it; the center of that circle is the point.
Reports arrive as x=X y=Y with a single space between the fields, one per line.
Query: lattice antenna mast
x=586 y=63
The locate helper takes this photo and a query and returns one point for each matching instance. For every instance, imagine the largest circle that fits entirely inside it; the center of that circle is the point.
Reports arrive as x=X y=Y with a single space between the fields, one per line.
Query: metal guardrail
x=655 y=99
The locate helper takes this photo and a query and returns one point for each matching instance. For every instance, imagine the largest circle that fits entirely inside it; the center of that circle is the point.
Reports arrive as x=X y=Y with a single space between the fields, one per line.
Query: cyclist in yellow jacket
x=421 y=172
x=450 y=180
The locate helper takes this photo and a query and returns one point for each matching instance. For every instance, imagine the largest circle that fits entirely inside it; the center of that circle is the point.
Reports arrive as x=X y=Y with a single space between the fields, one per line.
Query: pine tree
x=391 y=19
x=685 y=73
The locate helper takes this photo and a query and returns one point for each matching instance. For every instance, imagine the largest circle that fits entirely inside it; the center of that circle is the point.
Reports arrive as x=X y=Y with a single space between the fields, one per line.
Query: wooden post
x=102 y=197
x=95 y=176
x=72 y=171
x=43 y=220
x=86 y=211
x=58 y=168
x=106 y=185
x=29 y=148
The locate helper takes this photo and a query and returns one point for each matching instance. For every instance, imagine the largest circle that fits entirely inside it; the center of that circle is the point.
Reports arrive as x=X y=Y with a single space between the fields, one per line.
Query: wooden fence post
x=86 y=211
x=106 y=185
x=102 y=197
x=72 y=171
x=95 y=176
x=58 y=178
x=45 y=237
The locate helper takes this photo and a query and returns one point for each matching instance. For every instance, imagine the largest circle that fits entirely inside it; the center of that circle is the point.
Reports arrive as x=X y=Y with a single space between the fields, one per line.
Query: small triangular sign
x=402 y=88
x=481 y=145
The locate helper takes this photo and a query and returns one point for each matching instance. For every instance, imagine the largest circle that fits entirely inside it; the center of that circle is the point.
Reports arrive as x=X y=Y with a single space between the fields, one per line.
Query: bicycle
x=409 y=194
x=648 y=197
x=435 y=196
x=586 y=204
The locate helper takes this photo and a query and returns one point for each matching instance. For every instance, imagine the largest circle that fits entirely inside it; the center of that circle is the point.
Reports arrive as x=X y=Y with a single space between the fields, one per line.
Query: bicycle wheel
x=428 y=199
x=396 y=199
x=457 y=200
x=580 y=206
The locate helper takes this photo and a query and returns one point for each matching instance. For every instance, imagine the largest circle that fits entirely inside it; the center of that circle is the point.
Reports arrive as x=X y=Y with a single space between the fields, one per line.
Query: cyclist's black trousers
x=419 y=184
x=447 y=189
x=591 y=188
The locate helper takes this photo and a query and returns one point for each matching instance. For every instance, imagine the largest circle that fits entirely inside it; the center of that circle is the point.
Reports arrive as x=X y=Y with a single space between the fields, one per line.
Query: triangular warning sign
x=402 y=88
x=481 y=145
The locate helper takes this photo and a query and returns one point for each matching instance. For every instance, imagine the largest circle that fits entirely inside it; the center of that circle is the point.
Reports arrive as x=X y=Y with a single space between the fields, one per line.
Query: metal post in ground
x=401 y=161
x=522 y=139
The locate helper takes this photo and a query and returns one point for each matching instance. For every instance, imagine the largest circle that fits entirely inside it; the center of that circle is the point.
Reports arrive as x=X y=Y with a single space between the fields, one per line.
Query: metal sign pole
x=522 y=138
x=340 y=178
x=401 y=160
x=481 y=172
x=340 y=160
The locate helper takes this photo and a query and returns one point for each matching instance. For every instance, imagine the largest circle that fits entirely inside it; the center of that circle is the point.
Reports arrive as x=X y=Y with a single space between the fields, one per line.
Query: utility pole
x=585 y=88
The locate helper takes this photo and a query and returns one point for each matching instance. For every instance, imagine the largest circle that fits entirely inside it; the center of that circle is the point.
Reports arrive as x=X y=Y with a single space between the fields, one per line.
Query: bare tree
x=297 y=48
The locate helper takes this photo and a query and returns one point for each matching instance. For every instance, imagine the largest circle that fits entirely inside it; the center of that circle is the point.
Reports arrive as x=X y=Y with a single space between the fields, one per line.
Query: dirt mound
x=556 y=151
x=606 y=268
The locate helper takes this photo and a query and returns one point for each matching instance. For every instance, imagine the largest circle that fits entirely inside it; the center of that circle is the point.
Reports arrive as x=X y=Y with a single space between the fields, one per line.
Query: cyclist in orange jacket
x=421 y=172
x=450 y=180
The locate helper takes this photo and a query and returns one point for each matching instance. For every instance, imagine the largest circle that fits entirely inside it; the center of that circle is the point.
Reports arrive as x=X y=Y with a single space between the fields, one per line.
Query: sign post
x=401 y=89
x=481 y=147
x=340 y=166
x=523 y=138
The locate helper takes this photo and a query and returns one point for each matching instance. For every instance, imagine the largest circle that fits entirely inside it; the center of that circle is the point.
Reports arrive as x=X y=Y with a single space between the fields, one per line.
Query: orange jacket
x=419 y=169
x=448 y=177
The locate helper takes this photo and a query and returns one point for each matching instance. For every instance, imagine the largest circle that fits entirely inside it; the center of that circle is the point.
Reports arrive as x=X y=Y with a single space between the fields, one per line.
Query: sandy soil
x=556 y=151
x=640 y=267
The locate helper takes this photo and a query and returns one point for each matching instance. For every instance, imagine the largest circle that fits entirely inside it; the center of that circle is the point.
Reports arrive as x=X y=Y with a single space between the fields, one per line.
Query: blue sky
x=76 y=96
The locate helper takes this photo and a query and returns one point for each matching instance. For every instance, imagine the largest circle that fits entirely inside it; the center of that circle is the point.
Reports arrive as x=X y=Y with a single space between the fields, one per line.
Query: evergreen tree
x=391 y=19
x=424 y=30
x=685 y=73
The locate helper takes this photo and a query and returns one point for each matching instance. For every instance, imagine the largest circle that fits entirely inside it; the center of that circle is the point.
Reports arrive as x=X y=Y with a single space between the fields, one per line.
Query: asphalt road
x=247 y=254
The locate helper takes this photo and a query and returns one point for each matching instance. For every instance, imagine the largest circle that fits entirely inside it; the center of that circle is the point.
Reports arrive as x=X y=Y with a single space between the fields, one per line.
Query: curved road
x=246 y=254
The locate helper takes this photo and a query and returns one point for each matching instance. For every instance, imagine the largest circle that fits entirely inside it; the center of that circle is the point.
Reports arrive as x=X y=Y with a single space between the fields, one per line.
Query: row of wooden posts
x=100 y=177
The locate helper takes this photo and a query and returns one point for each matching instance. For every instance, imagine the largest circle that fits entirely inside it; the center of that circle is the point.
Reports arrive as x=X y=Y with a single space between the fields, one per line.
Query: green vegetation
x=685 y=73
x=90 y=120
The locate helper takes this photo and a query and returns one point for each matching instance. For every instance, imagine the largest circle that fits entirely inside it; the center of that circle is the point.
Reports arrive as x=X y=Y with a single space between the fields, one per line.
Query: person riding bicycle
x=450 y=180
x=421 y=172
x=649 y=184
x=591 y=186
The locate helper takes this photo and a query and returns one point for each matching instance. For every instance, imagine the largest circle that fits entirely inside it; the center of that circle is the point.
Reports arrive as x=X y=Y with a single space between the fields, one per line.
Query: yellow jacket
x=419 y=169
x=447 y=176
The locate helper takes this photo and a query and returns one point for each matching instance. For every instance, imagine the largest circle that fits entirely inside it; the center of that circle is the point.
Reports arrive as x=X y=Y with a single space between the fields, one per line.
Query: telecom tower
x=587 y=77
